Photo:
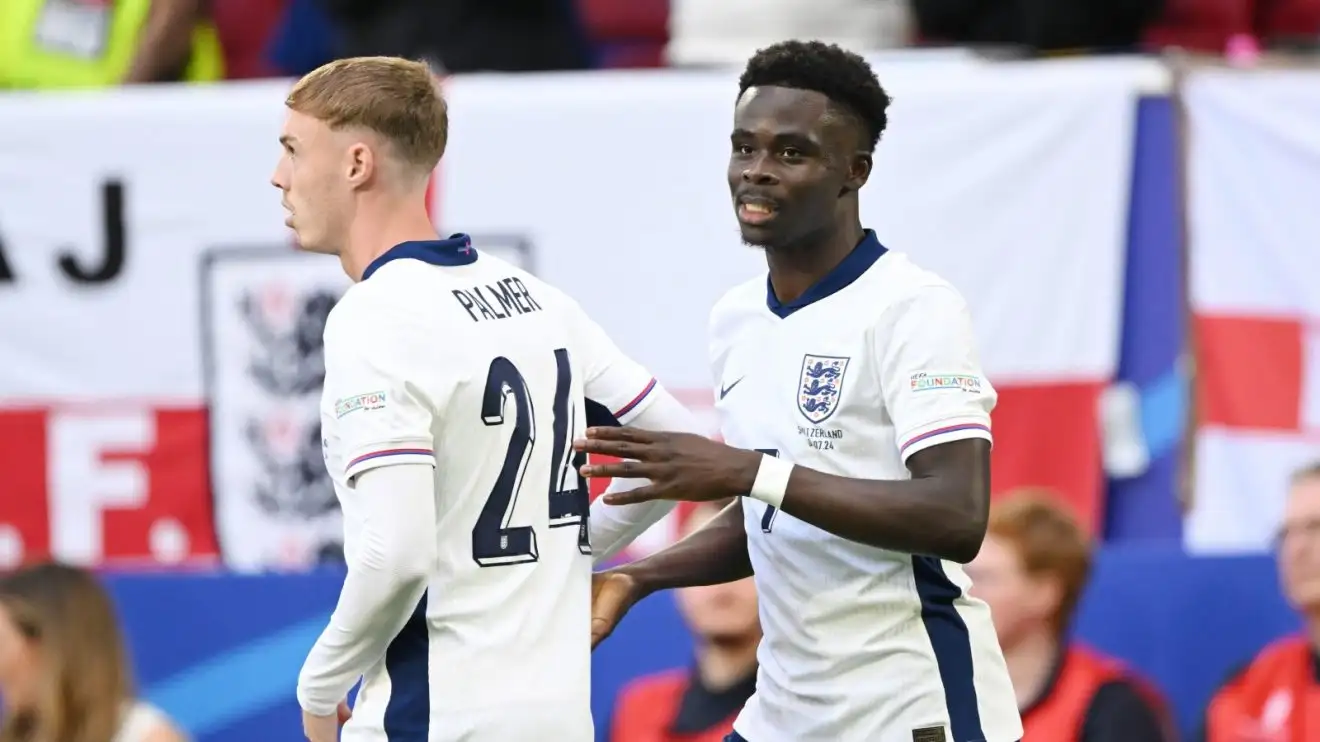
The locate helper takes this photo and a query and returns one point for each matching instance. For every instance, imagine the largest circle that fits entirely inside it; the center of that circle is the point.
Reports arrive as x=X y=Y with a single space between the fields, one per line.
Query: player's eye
x=742 y=149
x=791 y=153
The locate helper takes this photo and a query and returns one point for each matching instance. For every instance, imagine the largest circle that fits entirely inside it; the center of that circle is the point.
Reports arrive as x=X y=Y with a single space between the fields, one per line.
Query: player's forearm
x=914 y=516
x=714 y=554
x=387 y=576
x=940 y=512
x=613 y=527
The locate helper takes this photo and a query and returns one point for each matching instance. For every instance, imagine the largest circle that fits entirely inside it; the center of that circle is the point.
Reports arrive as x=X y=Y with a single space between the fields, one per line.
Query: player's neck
x=797 y=267
x=726 y=663
x=1313 y=628
x=379 y=225
x=1030 y=662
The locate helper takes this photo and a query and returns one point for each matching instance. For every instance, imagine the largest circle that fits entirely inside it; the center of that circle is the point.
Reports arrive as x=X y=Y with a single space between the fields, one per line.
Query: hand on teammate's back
x=681 y=466
x=612 y=594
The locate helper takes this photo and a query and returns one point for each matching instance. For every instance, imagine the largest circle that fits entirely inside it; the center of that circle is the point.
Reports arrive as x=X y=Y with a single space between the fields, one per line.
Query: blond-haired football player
x=455 y=384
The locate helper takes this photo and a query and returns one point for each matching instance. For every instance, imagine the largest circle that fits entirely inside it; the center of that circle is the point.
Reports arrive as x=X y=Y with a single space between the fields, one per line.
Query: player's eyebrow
x=796 y=139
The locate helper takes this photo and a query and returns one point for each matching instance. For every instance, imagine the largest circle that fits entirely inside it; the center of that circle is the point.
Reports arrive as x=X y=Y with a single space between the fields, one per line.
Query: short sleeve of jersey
x=383 y=411
x=930 y=375
x=613 y=380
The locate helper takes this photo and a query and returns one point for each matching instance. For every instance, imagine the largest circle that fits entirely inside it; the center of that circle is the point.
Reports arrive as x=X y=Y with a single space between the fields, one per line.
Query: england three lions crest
x=819 y=386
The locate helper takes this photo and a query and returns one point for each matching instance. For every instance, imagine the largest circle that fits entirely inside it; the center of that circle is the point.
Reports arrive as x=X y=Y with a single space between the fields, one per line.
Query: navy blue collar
x=457 y=250
x=851 y=268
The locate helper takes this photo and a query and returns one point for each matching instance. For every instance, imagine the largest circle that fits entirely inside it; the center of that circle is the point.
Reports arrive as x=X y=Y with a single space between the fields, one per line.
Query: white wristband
x=771 y=480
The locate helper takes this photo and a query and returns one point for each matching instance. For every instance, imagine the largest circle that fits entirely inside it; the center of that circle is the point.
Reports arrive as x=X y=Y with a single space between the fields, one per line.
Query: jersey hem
x=944 y=431
x=398 y=452
x=637 y=404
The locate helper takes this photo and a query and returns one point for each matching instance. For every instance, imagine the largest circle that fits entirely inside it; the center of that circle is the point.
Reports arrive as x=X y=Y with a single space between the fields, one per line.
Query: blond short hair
x=395 y=98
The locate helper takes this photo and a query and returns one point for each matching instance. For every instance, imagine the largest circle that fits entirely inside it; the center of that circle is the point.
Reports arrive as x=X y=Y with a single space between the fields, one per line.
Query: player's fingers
x=618 y=449
x=626 y=469
x=622 y=433
x=600 y=629
x=633 y=496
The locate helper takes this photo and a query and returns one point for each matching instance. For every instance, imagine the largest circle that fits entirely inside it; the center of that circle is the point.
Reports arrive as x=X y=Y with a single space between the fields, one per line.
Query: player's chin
x=308 y=242
x=758 y=235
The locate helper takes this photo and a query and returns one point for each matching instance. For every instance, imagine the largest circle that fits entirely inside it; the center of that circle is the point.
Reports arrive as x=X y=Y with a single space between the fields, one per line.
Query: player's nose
x=759 y=175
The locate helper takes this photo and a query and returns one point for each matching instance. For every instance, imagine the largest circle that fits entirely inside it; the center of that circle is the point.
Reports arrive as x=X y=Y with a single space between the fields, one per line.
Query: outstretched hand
x=681 y=466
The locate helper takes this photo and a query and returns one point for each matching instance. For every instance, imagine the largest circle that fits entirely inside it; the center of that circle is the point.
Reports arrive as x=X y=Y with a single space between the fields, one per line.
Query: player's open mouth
x=756 y=212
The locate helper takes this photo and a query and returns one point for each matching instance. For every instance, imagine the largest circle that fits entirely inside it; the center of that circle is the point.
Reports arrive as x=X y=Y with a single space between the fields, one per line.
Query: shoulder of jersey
x=369 y=306
x=907 y=279
x=746 y=296
x=361 y=297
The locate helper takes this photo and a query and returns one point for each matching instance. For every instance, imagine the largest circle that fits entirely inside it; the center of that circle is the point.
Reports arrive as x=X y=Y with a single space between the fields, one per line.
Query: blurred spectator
x=246 y=28
x=702 y=32
x=626 y=33
x=304 y=39
x=698 y=704
x=464 y=35
x=97 y=43
x=1032 y=570
x=1039 y=25
x=1276 y=696
x=64 y=671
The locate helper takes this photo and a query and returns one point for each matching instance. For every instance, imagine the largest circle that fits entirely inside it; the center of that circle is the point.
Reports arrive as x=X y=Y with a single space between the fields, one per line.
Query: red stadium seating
x=1201 y=25
x=1288 y=20
x=245 y=28
x=627 y=33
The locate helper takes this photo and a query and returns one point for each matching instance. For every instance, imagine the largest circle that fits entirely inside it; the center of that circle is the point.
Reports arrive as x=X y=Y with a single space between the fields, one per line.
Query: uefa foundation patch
x=924 y=382
x=368 y=401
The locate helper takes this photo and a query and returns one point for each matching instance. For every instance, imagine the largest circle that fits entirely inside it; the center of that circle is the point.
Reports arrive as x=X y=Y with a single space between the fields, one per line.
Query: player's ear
x=361 y=164
x=859 y=170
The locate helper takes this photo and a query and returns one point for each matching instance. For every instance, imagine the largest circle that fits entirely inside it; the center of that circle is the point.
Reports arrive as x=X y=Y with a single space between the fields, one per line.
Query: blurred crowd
x=1037 y=560
x=90 y=43
x=1032 y=571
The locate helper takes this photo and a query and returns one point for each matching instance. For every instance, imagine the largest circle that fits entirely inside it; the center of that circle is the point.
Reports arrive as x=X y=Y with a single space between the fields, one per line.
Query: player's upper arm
x=930 y=375
x=617 y=387
x=386 y=391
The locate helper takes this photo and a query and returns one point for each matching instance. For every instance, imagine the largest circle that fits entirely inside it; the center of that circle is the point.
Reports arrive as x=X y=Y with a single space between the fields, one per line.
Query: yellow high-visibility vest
x=47 y=44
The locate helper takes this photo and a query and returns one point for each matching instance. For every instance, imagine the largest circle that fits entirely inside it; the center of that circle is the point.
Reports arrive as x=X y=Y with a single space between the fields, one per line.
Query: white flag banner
x=265 y=314
x=1009 y=179
x=1253 y=223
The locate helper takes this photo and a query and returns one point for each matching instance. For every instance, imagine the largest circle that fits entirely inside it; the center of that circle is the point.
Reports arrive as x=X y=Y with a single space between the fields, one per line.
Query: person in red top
x=1031 y=570
x=1276 y=696
x=698 y=704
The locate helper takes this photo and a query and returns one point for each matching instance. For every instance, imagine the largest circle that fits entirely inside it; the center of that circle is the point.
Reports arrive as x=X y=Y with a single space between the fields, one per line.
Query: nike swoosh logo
x=724 y=391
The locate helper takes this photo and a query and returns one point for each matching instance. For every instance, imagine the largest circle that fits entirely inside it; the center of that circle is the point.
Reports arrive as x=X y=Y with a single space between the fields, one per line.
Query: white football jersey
x=444 y=356
x=873 y=364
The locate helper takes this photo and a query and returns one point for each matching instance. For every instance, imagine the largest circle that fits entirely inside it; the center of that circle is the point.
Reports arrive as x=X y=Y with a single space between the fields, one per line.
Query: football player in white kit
x=455 y=385
x=856 y=422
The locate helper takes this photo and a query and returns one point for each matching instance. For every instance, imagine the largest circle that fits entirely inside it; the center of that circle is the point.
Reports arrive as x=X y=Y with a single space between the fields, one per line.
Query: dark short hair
x=842 y=76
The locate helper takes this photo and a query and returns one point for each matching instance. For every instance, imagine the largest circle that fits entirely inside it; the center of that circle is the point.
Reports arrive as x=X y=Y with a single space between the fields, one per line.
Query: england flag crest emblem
x=819 y=386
